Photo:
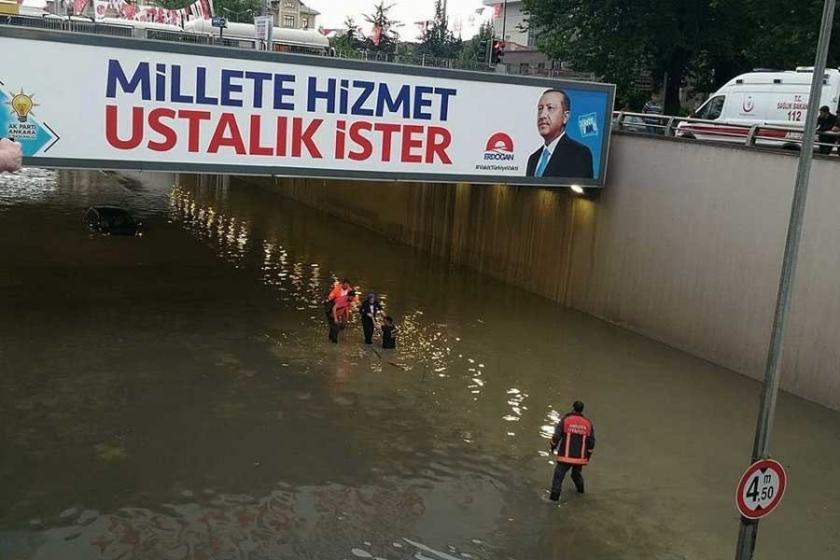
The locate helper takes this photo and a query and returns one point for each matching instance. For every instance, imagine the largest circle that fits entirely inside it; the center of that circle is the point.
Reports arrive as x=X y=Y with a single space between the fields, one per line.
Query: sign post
x=263 y=26
x=761 y=446
x=221 y=23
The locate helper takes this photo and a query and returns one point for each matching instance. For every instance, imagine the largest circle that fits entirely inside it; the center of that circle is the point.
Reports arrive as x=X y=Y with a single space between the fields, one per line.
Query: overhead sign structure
x=78 y=100
x=761 y=488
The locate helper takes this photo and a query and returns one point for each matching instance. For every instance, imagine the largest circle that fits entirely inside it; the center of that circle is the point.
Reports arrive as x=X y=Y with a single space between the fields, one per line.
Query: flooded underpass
x=175 y=396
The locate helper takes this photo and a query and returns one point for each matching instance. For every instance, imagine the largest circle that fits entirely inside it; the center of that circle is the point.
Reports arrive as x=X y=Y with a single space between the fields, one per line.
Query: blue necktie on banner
x=546 y=155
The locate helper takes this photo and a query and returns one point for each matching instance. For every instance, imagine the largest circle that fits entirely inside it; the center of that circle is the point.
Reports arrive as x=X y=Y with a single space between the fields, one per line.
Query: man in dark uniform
x=559 y=156
x=369 y=310
x=573 y=440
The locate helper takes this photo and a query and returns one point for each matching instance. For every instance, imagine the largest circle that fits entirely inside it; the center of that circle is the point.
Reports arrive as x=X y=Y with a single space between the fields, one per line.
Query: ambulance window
x=712 y=109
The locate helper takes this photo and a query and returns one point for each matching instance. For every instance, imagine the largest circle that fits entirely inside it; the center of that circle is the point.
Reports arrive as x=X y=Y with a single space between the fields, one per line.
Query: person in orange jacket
x=573 y=442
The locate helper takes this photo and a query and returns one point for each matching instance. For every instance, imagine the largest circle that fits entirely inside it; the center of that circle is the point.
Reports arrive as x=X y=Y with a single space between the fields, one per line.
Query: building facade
x=521 y=53
x=294 y=14
x=510 y=17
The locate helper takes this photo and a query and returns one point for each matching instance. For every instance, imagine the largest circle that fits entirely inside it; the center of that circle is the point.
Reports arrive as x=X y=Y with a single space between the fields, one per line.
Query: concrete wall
x=684 y=245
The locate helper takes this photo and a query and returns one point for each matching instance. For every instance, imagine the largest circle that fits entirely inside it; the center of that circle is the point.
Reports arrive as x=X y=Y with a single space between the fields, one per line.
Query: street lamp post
x=761 y=445
x=237 y=14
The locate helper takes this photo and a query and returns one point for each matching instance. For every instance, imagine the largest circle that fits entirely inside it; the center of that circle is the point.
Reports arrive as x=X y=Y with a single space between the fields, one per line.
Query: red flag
x=79 y=6
x=497 y=10
x=376 y=35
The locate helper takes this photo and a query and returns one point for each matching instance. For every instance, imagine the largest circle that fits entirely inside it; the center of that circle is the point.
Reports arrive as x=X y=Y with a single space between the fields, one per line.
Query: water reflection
x=423 y=345
x=28 y=186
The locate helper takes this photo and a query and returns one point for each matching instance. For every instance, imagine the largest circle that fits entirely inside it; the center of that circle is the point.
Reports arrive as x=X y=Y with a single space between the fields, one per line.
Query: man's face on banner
x=552 y=115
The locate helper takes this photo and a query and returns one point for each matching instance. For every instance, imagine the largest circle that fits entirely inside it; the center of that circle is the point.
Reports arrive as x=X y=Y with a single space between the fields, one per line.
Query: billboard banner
x=109 y=102
x=130 y=10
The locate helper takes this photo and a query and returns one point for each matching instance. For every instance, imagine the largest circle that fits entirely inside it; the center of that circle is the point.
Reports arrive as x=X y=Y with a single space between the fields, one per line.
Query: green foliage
x=705 y=42
x=238 y=11
x=476 y=49
x=171 y=4
x=388 y=36
x=437 y=40
x=351 y=40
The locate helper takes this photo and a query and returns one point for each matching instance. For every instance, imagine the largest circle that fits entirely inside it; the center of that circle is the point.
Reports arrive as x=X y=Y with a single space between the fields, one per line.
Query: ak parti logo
x=499 y=147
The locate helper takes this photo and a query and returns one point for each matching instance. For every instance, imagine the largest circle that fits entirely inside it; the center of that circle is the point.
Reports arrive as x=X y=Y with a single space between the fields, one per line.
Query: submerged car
x=110 y=220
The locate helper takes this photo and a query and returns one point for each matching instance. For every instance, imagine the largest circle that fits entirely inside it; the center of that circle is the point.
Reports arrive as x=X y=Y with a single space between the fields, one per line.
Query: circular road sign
x=761 y=488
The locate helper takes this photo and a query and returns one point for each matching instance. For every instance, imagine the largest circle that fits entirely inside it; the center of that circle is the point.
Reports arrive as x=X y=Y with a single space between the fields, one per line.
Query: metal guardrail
x=774 y=136
x=86 y=25
x=77 y=24
x=416 y=60
x=174 y=36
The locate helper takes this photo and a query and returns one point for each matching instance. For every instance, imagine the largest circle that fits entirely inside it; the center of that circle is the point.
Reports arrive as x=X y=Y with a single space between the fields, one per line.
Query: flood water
x=175 y=396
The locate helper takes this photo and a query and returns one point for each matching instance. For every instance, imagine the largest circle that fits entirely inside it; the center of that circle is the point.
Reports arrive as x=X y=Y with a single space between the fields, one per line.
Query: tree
x=437 y=40
x=241 y=11
x=785 y=35
x=701 y=42
x=476 y=49
x=384 y=36
x=619 y=39
x=351 y=40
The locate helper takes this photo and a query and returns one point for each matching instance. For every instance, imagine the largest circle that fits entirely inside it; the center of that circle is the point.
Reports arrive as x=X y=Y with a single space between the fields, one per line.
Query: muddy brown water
x=175 y=396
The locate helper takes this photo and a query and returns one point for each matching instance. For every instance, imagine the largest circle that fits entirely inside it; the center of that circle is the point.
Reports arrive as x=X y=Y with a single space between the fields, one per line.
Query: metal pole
x=264 y=12
x=504 y=21
x=761 y=445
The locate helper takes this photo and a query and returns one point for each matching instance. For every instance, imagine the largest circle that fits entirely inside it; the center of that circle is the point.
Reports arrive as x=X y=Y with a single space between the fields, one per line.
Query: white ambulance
x=761 y=97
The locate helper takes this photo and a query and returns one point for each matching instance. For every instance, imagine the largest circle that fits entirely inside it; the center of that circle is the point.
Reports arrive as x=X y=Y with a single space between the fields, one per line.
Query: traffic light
x=483 y=48
x=498 y=52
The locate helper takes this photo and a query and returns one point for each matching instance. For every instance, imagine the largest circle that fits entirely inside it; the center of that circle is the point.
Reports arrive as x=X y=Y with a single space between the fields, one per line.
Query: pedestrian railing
x=415 y=60
x=77 y=24
x=772 y=136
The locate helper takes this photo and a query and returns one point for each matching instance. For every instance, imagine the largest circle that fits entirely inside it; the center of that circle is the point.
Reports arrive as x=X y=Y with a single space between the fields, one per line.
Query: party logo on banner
x=18 y=121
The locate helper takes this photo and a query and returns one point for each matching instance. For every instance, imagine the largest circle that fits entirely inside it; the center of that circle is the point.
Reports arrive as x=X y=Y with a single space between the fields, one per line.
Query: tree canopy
x=437 y=40
x=384 y=36
x=706 y=42
x=477 y=48
x=242 y=11
x=352 y=39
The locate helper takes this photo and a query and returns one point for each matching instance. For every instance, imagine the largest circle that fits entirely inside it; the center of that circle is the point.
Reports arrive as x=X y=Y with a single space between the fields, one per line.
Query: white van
x=778 y=99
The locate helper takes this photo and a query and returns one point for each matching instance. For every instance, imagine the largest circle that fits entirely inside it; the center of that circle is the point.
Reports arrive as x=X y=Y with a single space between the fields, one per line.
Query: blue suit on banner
x=560 y=156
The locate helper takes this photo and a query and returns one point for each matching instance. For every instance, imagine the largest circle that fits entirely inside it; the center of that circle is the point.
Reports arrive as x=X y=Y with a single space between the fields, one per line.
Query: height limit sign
x=761 y=489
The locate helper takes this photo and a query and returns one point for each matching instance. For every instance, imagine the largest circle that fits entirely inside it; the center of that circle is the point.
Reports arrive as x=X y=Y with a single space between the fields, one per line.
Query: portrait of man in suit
x=559 y=156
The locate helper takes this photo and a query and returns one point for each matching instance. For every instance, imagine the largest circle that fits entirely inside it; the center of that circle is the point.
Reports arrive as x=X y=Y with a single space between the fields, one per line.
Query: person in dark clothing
x=368 y=310
x=826 y=122
x=389 y=334
x=573 y=441
x=654 y=107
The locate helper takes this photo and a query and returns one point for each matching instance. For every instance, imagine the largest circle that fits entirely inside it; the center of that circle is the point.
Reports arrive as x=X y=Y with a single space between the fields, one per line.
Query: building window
x=304 y=22
x=290 y=3
x=289 y=21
